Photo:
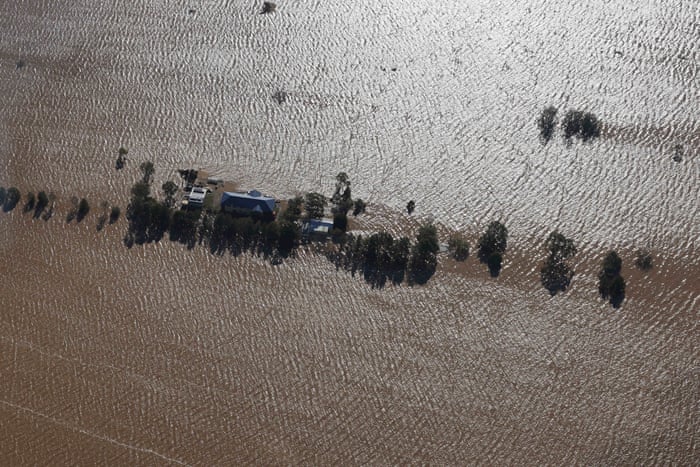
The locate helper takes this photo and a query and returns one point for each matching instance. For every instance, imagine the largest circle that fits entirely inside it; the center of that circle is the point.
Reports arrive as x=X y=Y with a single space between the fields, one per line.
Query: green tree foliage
x=288 y=237
x=556 y=274
x=12 y=197
x=611 y=284
x=559 y=246
x=359 y=207
x=315 y=205
x=83 y=209
x=547 y=122
x=459 y=247
x=148 y=219
x=423 y=261
x=340 y=222
x=42 y=201
x=140 y=191
x=583 y=125
x=644 y=260
x=114 y=214
x=121 y=158
x=292 y=213
x=30 y=203
x=493 y=240
x=342 y=197
x=147 y=171
x=410 y=207
x=492 y=244
x=379 y=257
x=183 y=227
x=169 y=190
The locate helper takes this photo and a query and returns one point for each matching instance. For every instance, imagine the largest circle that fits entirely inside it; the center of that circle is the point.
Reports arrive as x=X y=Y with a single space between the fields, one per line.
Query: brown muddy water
x=161 y=355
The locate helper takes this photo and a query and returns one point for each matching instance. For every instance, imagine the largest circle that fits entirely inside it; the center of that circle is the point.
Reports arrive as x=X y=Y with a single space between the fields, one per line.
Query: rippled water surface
x=157 y=354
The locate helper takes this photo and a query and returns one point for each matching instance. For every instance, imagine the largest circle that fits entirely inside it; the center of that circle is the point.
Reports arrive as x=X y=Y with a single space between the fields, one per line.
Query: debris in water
x=678 y=153
x=268 y=7
x=20 y=64
x=280 y=97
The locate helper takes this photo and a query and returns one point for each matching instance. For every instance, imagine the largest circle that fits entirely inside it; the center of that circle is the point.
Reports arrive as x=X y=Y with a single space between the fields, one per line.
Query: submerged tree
x=583 y=125
x=12 y=197
x=459 y=247
x=342 y=197
x=315 y=205
x=611 y=284
x=492 y=244
x=423 y=260
x=410 y=207
x=547 y=122
x=556 y=274
x=83 y=209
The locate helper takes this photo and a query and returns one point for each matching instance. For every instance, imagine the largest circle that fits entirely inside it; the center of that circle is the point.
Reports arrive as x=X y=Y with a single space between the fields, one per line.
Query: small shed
x=317 y=229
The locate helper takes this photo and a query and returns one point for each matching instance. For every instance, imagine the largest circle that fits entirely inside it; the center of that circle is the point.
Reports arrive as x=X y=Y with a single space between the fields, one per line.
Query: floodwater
x=161 y=355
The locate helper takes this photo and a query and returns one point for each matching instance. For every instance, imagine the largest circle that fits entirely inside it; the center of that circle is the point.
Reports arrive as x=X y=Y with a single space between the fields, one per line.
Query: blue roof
x=251 y=201
x=319 y=226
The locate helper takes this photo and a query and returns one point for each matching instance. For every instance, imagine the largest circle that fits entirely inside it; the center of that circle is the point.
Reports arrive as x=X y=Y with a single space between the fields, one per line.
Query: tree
x=169 y=189
x=288 y=237
x=611 y=284
x=410 y=207
x=340 y=222
x=359 y=207
x=147 y=170
x=341 y=199
x=83 y=209
x=31 y=202
x=423 y=260
x=583 y=125
x=121 y=158
x=644 y=260
x=492 y=244
x=41 y=203
x=556 y=274
x=315 y=205
x=494 y=240
x=292 y=212
x=459 y=247
x=547 y=123
x=140 y=190
x=559 y=246
x=12 y=197
x=114 y=214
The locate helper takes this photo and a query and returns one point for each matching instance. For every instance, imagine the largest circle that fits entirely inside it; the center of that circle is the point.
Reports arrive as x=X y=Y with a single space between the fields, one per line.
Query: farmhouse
x=247 y=204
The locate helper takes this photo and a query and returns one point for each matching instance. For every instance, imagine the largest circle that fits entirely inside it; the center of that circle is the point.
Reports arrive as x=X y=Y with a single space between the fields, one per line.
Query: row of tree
x=42 y=205
x=582 y=125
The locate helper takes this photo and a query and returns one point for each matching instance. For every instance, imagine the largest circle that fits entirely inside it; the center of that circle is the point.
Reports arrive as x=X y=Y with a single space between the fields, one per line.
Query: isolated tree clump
x=423 y=261
x=547 y=122
x=42 y=200
x=611 y=284
x=583 y=125
x=342 y=196
x=169 y=190
x=359 y=207
x=458 y=247
x=315 y=205
x=556 y=274
x=492 y=244
x=410 y=207
x=83 y=209
x=12 y=197
x=644 y=260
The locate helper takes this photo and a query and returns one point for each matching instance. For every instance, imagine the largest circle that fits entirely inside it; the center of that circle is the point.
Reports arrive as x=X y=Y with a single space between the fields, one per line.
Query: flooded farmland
x=157 y=354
